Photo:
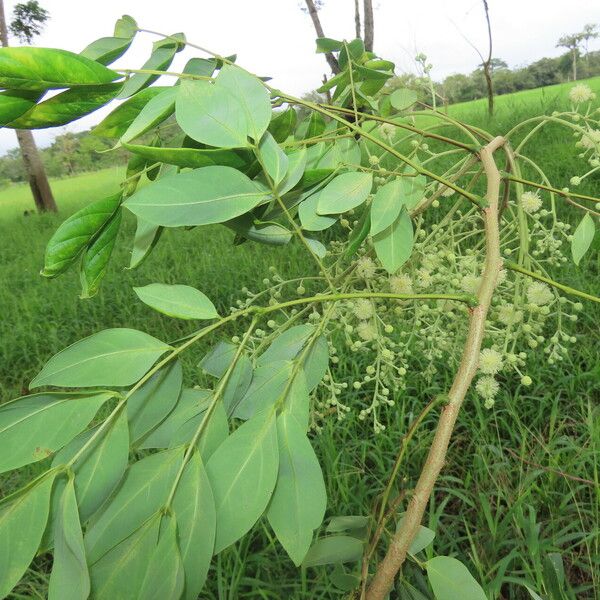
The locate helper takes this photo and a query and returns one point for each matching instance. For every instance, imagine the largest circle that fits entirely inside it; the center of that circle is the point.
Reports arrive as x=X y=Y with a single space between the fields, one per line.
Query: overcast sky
x=273 y=37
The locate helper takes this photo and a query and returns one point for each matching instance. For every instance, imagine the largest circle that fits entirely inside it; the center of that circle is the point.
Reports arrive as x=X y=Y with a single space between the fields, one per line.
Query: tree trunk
x=38 y=181
x=574 y=52
x=369 y=25
x=356 y=19
x=314 y=15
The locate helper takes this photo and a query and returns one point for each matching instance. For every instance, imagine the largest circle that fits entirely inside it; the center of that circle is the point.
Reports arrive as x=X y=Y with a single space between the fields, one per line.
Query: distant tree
x=496 y=64
x=589 y=32
x=28 y=20
x=545 y=71
x=571 y=42
x=459 y=88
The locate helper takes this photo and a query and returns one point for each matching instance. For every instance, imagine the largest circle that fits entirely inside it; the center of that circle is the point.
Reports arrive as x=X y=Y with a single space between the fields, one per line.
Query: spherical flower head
x=448 y=191
x=373 y=160
x=526 y=380
x=509 y=315
x=591 y=139
x=581 y=93
x=387 y=130
x=424 y=278
x=530 y=202
x=470 y=284
x=401 y=284
x=490 y=361
x=539 y=293
x=487 y=387
x=489 y=403
x=365 y=267
x=366 y=331
x=363 y=309
x=575 y=181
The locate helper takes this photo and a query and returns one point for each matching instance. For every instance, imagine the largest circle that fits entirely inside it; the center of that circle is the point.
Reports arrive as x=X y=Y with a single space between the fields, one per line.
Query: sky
x=275 y=38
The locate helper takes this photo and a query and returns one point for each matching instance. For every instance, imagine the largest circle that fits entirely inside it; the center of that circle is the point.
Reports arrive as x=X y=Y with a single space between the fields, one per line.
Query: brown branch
x=399 y=544
x=314 y=15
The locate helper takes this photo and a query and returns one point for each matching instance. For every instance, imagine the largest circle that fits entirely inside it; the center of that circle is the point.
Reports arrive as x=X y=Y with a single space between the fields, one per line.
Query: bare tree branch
x=314 y=15
x=487 y=63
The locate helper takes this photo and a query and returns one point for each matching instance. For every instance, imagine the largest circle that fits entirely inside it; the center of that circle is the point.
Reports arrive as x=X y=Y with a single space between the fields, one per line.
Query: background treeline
x=543 y=72
x=72 y=153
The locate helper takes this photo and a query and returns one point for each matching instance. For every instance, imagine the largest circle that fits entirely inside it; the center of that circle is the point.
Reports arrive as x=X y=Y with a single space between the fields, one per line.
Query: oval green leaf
x=117 y=122
x=450 y=579
x=113 y=357
x=142 y=493
x=194 y=509
x=157 y=109
x=154 y=400
x=334 y=549
x=75 y=234
x=180 y=301
x=386 y=206
x=28 y=68
x=200 y=197
x=242 y=473
x=582 y=238
x=70 y=579
x=34 y=427
x=100 y=467
x=299 y=499
x=393 y=245
x=344 y=192
x=23 y=517
x=66 y=107
x=96 y=257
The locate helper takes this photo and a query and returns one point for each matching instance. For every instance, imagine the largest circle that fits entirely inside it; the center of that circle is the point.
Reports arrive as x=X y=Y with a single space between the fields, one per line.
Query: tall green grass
x=521 y=481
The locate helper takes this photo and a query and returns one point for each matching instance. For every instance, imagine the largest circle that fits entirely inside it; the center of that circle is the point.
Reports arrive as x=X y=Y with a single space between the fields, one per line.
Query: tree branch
x=388 y=569
x=314 y=15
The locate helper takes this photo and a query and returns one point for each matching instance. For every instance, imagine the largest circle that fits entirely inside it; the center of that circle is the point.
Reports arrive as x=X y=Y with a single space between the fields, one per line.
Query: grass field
x=521 y=482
